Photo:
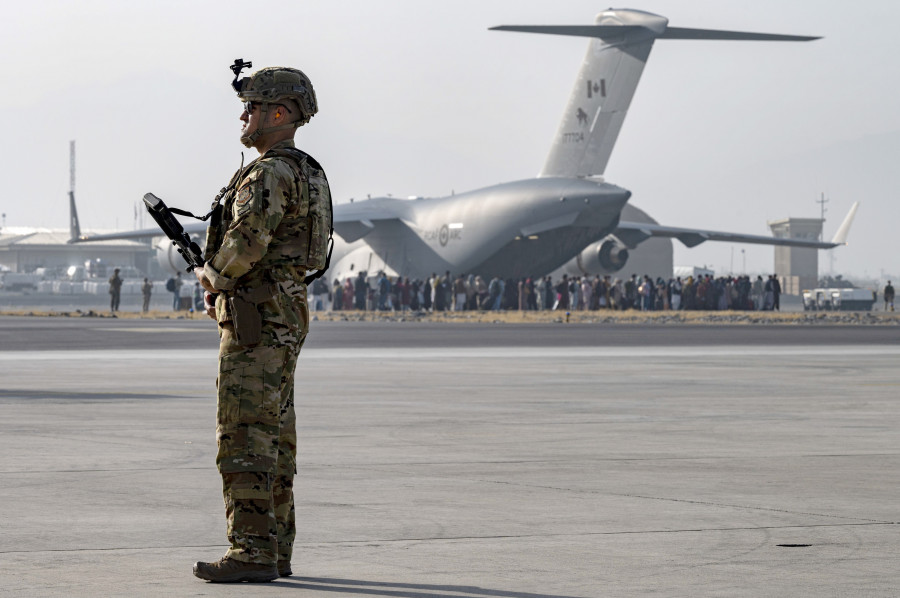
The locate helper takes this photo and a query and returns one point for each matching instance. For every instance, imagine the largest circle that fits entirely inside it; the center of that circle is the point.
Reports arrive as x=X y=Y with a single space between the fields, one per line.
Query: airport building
x=26 y=250
x=797 y=267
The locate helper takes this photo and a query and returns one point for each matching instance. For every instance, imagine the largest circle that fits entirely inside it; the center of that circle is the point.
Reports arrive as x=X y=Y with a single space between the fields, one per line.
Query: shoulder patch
x=244 y=194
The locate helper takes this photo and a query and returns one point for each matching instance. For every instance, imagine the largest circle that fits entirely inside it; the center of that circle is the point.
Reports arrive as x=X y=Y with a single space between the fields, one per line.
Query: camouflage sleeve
x=259 y=205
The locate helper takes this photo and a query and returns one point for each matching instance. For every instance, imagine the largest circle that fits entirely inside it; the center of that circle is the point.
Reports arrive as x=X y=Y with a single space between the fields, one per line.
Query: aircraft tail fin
x=840 y=237
x=612 y=68
x=74 y=227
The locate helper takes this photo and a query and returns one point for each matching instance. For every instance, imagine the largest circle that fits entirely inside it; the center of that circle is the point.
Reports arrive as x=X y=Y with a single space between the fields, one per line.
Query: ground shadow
x=35 y=394
x=406 y=590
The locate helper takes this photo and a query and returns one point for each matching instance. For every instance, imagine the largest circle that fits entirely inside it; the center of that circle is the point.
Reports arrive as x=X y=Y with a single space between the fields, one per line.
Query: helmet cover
x=276 y=84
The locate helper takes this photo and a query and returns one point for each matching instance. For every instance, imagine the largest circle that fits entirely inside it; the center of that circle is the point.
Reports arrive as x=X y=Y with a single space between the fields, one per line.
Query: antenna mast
x=72 y=167
x=822 y=203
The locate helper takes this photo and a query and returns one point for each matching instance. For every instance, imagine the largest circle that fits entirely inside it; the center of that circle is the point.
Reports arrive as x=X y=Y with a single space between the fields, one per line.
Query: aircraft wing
x=193 y=228
x=633 y=233
x=353 y=221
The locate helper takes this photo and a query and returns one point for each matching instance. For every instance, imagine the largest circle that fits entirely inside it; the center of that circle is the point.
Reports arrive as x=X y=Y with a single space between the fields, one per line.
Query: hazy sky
x=419 y=98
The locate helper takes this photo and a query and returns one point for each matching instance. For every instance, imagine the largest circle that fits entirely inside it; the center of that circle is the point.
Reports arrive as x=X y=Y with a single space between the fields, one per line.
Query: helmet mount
x=236 y=68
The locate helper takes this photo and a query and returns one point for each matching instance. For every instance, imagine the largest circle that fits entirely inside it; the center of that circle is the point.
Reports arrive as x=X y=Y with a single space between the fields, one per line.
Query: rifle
x=188 y=249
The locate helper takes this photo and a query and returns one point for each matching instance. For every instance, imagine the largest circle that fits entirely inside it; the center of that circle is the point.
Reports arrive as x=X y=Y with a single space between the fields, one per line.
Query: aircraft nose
x=621 y=197
x=611 y=199
x=603 y=209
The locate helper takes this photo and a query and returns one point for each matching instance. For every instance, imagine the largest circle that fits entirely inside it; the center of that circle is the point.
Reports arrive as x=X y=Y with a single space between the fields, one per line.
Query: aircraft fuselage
x=523 y=228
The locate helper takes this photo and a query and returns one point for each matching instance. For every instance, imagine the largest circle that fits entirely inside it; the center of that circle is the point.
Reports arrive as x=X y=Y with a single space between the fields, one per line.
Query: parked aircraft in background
x=568 y=216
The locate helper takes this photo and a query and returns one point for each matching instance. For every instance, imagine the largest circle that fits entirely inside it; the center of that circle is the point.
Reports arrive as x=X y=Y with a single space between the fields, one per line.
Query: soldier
x=115 y=291
x=146 y=291
x=273 y=227
x=176 y=291
x=197 y=298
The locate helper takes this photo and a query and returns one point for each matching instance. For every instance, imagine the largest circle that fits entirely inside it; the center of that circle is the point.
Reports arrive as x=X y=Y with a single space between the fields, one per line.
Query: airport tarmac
x=526 y=461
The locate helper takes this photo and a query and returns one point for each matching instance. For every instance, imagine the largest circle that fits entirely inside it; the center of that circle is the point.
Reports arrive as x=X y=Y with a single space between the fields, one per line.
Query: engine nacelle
x=169 y=259
x=612 y=255
x=603 y=257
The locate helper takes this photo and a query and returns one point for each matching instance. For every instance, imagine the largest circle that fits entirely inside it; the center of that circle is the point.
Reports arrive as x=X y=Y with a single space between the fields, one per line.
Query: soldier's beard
x=249 y=133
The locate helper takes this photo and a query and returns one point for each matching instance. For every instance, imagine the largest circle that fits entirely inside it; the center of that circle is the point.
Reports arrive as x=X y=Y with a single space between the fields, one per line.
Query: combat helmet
x=275 y=85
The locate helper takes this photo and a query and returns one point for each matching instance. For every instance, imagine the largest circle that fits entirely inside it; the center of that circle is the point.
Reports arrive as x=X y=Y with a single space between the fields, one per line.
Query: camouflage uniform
x=272 y=226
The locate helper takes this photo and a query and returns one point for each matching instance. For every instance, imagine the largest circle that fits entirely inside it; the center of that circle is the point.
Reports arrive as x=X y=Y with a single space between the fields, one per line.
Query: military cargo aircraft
x=568 y=216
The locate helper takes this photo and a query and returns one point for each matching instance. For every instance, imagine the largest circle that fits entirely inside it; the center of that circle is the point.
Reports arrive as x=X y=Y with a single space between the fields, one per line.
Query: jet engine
x=606 y=256
x=612 y=255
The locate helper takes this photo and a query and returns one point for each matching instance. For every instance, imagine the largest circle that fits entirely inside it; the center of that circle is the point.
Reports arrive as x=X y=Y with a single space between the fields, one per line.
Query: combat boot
x=284 y=568
x=227 y=570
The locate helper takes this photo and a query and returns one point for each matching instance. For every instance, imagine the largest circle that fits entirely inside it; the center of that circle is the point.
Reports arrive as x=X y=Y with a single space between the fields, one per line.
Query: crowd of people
x=471 y=292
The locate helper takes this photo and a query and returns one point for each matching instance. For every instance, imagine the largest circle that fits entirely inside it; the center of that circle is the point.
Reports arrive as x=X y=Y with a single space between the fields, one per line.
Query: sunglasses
x=250 y=106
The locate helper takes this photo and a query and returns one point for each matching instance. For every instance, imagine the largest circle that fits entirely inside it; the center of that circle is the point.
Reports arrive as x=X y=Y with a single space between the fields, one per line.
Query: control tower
x=797 y=267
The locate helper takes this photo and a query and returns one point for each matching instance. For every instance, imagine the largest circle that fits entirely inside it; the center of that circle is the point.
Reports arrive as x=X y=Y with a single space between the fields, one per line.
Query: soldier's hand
x=204 y=280
x=209 y=302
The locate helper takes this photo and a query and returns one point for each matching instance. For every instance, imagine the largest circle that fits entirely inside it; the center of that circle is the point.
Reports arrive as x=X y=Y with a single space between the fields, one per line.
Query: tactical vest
x=311 y=235
x=303 y=238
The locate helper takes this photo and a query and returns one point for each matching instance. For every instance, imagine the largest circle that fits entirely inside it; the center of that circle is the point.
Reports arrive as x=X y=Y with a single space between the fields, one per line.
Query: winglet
x=840 y=237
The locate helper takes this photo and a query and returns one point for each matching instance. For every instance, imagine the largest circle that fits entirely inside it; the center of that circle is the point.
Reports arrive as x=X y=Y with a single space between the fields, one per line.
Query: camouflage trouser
x=257 y=442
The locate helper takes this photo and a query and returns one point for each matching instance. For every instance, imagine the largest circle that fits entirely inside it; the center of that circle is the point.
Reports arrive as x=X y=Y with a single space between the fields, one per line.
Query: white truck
x=838 y=300
x=19 y=281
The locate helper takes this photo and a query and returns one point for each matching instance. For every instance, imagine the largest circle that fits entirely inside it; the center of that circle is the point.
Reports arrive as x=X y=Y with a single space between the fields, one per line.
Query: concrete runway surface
x=457 y=461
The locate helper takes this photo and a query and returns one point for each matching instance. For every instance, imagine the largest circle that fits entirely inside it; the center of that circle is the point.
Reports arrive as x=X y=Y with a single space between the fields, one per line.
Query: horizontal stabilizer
x=840 y=237
x=598 y=31
x=682 y=33
x=618 y=31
